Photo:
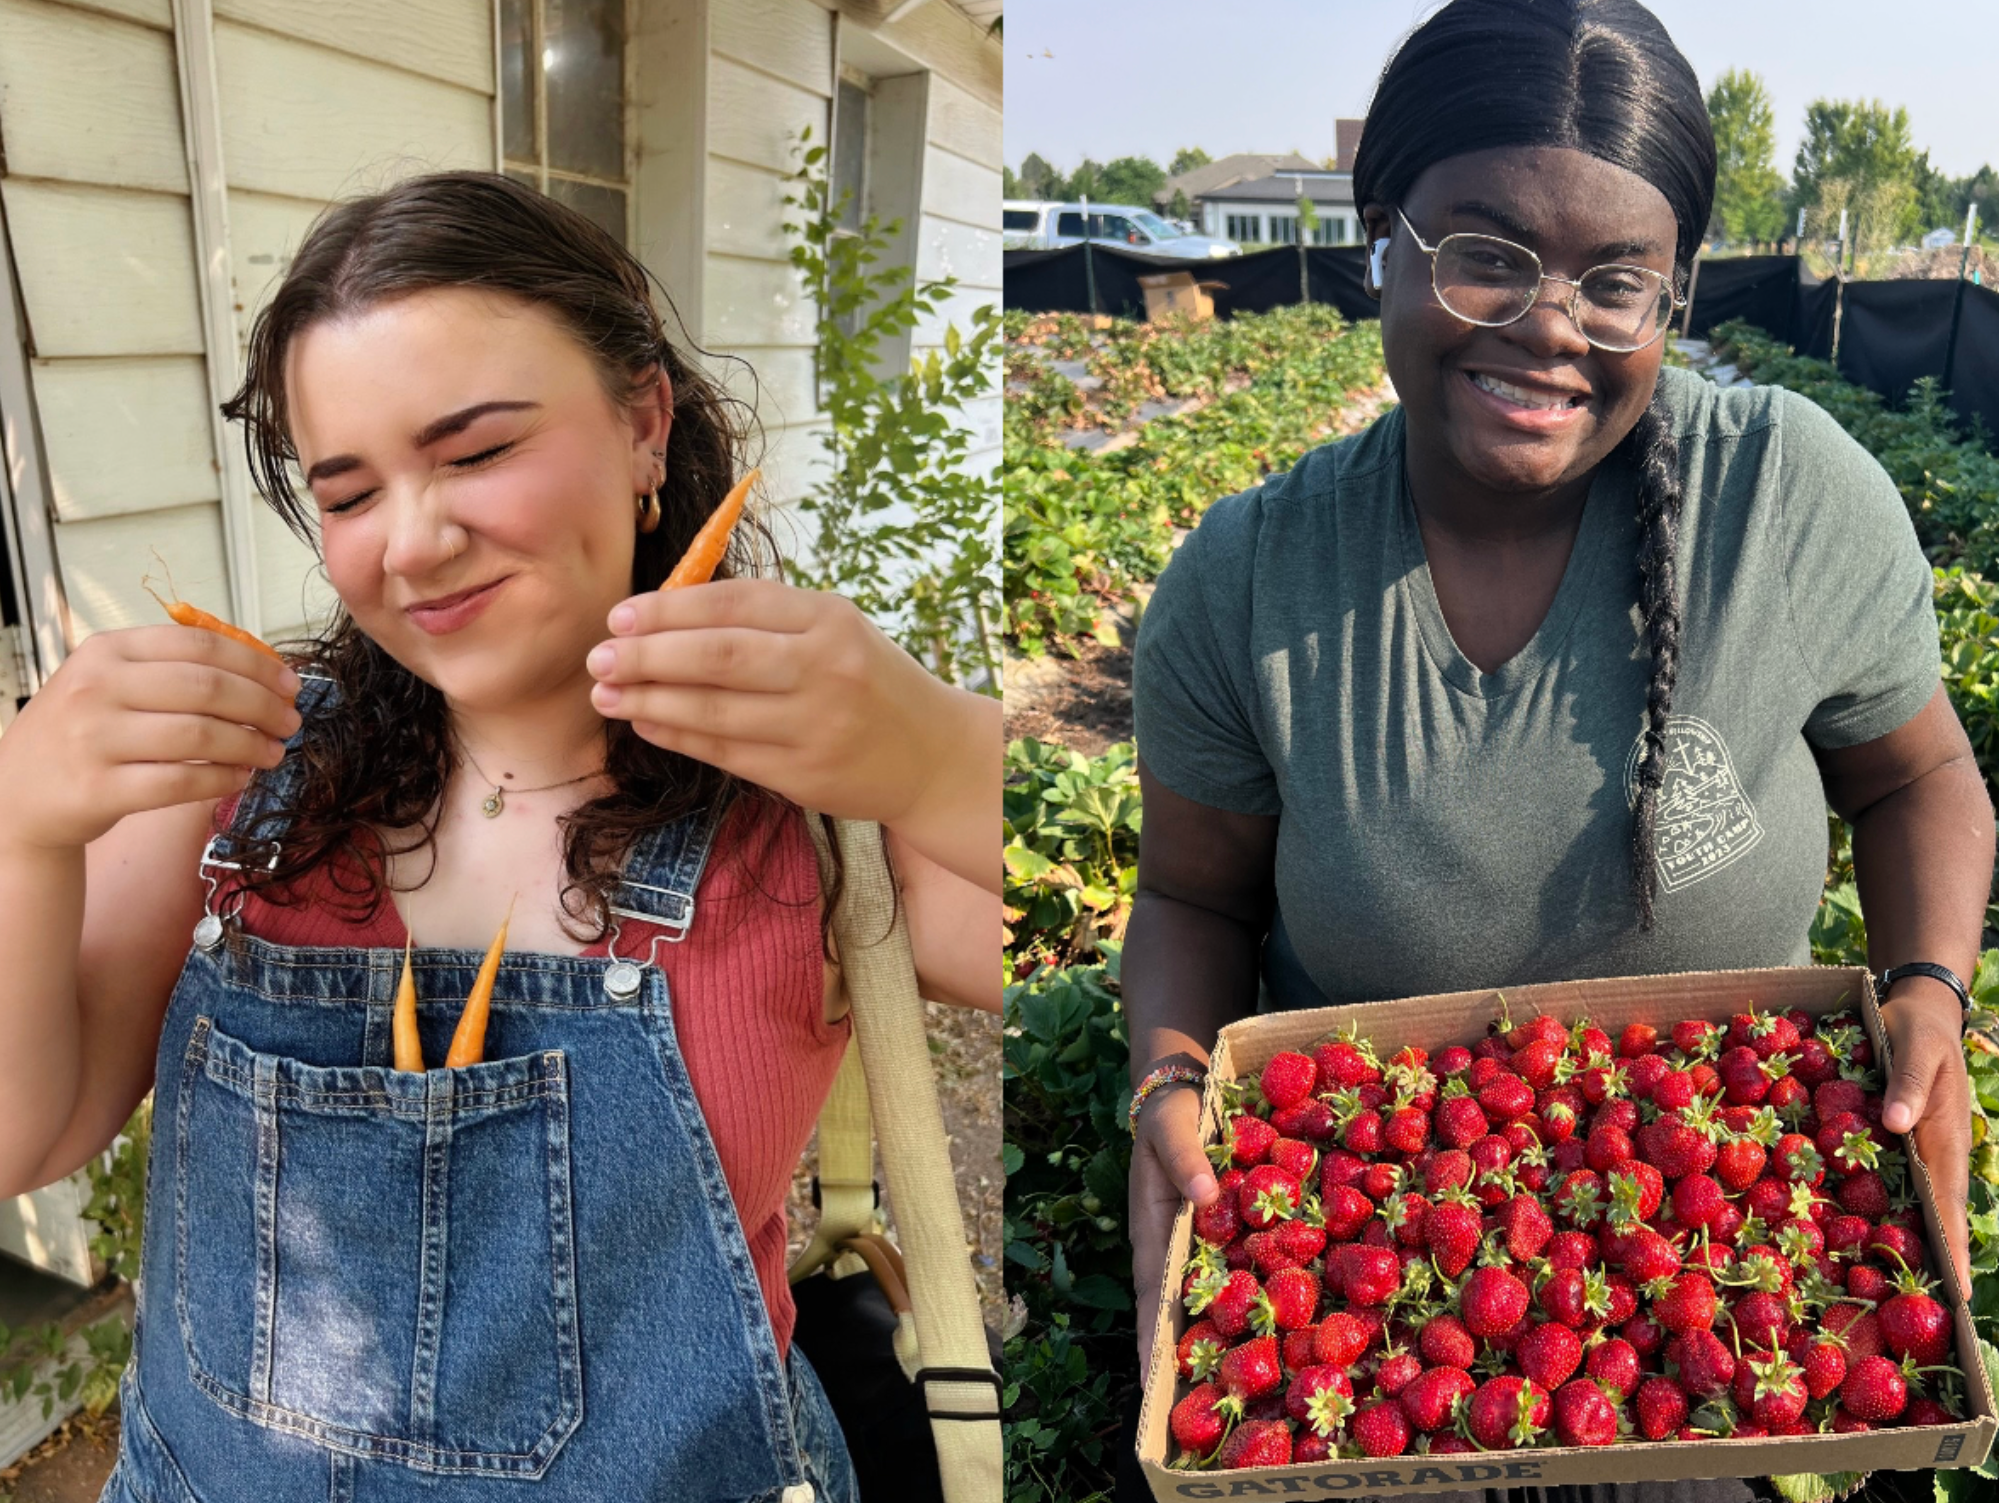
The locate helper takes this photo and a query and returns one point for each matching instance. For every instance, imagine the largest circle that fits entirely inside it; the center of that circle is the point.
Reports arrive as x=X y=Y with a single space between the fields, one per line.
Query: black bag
x=846 y=1329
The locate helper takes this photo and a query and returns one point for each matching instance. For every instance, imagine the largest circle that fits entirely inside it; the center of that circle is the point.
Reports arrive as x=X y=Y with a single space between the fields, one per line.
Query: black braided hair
x=1651 y=449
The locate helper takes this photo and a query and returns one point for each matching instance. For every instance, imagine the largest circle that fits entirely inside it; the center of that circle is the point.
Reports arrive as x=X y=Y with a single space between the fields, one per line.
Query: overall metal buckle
x=625 y=975
x=208 y=932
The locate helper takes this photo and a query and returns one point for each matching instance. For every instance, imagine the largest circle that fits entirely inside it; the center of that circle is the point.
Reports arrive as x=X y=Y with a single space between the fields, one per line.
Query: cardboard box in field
x=1176 y=292
x=1461 y=1018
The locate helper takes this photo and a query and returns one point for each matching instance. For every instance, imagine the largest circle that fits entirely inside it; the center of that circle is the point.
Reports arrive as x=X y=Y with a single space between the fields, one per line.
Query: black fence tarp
x=1891 y=332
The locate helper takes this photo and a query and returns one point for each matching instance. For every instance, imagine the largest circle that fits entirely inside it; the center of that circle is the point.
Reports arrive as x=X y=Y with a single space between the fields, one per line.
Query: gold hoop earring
x=649 y=513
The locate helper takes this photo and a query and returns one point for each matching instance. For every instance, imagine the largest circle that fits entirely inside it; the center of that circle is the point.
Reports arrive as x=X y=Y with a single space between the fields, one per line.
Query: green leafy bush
x=1073 y=1358
x=1071 y=851
x=1081 y=528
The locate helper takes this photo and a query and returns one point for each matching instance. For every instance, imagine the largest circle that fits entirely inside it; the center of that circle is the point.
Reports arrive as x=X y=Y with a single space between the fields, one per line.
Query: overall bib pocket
x=378 y=1260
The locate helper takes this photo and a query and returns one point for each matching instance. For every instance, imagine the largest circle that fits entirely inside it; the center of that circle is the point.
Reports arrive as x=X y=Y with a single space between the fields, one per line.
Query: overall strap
x=657 y=888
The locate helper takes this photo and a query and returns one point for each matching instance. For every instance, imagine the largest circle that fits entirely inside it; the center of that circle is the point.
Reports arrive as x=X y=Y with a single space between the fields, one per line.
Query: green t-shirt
x=1444 y=829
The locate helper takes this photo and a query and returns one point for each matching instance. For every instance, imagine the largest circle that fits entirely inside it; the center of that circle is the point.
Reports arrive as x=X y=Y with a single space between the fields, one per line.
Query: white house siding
x=724 y=89
x=98 y=208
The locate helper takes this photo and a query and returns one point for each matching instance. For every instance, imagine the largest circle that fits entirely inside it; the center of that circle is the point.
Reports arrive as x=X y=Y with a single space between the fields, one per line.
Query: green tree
x=1180 y=208
x=1857 y=155
x=1087 y=181
x=1748 y=191
x=1936 y=196
x=1039 y=180
x=1133 y=180
x=1009 y=184
x=1186 y=159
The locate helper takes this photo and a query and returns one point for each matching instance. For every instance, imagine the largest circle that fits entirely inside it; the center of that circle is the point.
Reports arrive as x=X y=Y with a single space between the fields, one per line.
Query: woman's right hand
x=142 y=718
x=1167 y=1167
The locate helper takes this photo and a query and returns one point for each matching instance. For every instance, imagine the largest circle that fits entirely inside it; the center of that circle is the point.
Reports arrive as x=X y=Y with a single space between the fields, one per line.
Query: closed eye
x=468 y=462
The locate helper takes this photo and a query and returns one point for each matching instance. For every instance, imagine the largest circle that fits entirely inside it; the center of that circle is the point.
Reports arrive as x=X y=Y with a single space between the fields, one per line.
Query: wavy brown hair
x=381 y=754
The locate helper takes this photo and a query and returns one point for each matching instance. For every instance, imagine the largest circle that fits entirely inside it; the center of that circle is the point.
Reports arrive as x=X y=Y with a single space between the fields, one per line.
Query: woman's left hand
x=796 y=690
x=1930 y=1092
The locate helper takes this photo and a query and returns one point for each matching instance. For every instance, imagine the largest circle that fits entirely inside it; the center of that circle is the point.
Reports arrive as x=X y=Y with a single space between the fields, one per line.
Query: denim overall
x=518 y=1279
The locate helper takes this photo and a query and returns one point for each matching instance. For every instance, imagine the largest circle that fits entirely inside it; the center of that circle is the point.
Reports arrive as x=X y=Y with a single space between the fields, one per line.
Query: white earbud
x=1374 y=264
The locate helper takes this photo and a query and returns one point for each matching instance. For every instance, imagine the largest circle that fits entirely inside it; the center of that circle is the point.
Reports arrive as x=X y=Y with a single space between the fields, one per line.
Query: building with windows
x=1264 y=210
x=163 y=160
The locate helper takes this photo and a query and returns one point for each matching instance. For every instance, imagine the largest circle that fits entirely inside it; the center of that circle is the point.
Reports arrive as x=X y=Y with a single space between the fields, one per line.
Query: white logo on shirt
x=1705 y=820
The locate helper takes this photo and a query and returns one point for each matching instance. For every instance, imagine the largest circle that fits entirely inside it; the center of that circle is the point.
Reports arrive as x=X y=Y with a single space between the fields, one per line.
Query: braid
x=1653 y=452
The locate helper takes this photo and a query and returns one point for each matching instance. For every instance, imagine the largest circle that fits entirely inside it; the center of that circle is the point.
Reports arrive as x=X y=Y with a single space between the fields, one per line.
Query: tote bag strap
x=960 y=1389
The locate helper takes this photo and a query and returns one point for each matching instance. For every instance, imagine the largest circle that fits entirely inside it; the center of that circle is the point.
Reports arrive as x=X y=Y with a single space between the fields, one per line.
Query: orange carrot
x=191 y=615
x=468 y=1043
x=697 y=565
x=409 y=1048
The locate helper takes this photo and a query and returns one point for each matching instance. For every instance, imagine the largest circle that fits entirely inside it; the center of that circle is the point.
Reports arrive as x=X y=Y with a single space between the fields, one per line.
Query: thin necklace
x=495 y=801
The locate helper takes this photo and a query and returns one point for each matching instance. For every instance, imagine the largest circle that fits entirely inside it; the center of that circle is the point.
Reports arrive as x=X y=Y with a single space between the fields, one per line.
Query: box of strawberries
x=1647 y=1228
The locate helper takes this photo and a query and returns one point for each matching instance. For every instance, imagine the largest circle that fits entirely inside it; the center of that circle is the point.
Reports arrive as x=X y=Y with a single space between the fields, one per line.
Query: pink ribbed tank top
x=748 y=1008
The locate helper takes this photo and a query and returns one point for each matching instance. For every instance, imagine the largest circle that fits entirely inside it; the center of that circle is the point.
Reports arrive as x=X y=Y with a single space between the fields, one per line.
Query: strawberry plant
x=1071 y=851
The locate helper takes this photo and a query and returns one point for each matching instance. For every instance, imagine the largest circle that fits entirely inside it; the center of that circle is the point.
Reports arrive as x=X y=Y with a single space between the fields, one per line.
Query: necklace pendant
x=494 y=803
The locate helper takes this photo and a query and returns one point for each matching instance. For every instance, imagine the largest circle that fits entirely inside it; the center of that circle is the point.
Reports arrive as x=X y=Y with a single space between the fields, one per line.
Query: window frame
x=542 y=173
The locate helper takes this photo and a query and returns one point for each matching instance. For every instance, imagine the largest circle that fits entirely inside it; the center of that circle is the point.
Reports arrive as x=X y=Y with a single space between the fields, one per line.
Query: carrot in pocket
x=191 y=615
x=468 y=1043
x=409 y=1048
x=698 y=564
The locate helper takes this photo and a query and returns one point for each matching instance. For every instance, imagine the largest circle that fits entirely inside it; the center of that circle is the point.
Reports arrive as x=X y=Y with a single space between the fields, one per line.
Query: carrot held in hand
x=468 y=1043
x=191 y=615
x=409 y=1048
x=697 y=565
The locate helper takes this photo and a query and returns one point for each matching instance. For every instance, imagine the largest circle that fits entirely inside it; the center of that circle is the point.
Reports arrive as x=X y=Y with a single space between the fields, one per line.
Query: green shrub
x=1071 y=850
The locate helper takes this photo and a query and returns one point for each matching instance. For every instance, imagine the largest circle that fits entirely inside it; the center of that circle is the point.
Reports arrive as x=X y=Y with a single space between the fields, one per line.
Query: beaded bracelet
x=1165 y=1075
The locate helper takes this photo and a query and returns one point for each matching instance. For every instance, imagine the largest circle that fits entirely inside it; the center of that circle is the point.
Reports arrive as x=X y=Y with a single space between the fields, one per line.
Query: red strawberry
x=1644 y=1074
x=1289 y=1078
x=1250 y=1138
x=1454 y=1060
x=1251 y=1370
x=1405 y=1216
x=1536 y=1063
x=1505 y=1097
x=1380 y=1180
x=1267 y=1195
x=1644 y=1333
x=1896 y=1246
x=1743 y=1079
x=1301 y=1241
x=1550 y=1353
x=1256 y=1443
x=1675 y=1147
x=1580 y=1200
x=1219 y=1221
x=1674 y=1091
x=1636 y=1040
x=1430 y=1401
x=1584 y=1415
x=1761 y=1320
x=1824 y=1363
x=1198 y=1427
x=1368 y=1274
x=1381 y=1429
x=1344 y=1066
x=1915 y=1325
x=1444 y=1342
x=1460 y=1122
x=1649 y=1256
x=1797 y=1161
x=1200 y=1349
x=1231 y=1306
x=1738 y=1163
x=1492 y=1300
x=1406 y=1130
x=1706 y=1365
x=1362 y=1132
x=1311 y=1119
x=1446 y=1169
x=1572 y=1250
x=1874 y=1390
x=1662 y=1408
x=1688 y=1306
x=1396 y=1370
x=1345 y=1211
x=1614 y=1364
x=1295 y=1348
x=1694 y=1036
x=1526 y=1227
x=1698 y=1201
x=1927 y=1412
x=1289 y=1301
x=1340 y=1341
x=1507 y=1412
x=1865 y=1281
x=1576 y=1297
x=1294 y=1156
x=1453 y=1229
x=1835 y=1098
x=1303 y=1401
x=1858 y=1328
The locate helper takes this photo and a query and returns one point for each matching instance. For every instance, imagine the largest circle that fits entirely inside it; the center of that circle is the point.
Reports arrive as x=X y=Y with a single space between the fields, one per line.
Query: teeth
x=1516 y=394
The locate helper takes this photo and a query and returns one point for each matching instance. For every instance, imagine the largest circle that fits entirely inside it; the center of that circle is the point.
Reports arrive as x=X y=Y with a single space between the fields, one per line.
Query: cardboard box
x=1461 y=1018
x=1176 y=293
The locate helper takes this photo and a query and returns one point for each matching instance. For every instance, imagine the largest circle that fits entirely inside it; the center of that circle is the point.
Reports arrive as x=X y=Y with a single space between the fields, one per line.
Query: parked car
x=1028 y=225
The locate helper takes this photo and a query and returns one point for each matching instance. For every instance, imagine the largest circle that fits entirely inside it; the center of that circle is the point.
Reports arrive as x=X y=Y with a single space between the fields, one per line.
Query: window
x=1328 y=230
x=562 y=104
x=1019 y=219
x=1284 y=229
x=1244 y=228
x=850 y=151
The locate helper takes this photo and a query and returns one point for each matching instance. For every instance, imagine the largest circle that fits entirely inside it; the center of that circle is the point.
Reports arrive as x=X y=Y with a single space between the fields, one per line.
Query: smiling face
x=1574 y=211
x=530 y=499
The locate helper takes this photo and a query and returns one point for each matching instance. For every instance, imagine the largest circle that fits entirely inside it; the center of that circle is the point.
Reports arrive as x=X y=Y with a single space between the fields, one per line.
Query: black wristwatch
x=1935 y=972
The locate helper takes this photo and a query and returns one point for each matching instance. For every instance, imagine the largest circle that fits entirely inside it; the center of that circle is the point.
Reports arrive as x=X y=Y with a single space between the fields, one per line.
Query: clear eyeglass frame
x=1668 y=302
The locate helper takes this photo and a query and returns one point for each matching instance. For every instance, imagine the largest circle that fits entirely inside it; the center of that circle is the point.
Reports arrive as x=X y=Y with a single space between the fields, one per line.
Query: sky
x=1146 y=77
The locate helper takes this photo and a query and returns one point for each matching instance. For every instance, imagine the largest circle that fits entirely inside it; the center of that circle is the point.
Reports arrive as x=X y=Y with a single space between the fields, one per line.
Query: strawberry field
x=1072 y=824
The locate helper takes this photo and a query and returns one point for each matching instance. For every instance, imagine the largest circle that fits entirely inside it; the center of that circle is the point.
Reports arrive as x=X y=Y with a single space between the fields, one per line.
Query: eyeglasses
x=1492 y=282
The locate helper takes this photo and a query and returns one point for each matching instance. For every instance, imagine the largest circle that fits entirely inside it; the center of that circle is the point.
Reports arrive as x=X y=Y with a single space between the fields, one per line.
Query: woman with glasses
x=1552 y=671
